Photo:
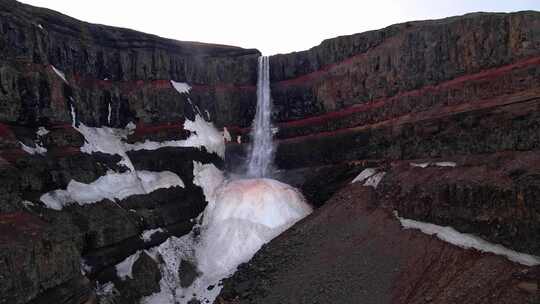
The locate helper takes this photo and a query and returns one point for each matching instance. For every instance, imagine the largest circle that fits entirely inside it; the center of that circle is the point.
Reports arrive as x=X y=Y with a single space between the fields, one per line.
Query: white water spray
x=262 y=149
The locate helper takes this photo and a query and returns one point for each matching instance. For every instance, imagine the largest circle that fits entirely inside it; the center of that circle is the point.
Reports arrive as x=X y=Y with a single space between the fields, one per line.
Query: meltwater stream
x=262 y=149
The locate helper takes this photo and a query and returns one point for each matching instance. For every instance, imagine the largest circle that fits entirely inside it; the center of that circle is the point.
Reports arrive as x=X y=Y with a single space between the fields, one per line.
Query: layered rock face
x=120 y=68
x=420 y=91
x=462 y=90
x=59 y=76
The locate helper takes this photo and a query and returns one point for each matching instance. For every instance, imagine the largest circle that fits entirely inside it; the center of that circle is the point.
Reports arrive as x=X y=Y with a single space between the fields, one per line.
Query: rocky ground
x=353 y=250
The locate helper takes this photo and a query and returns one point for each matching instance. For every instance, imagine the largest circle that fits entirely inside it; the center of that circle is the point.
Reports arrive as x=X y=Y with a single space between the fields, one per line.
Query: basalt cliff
x=448 y=110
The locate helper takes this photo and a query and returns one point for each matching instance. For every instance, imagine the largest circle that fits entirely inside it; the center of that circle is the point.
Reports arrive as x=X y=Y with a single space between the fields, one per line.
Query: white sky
x=278 y=26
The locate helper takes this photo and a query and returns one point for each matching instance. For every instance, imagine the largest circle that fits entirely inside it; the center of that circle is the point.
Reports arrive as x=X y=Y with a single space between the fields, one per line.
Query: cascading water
x=262 y=149
x=242 y=215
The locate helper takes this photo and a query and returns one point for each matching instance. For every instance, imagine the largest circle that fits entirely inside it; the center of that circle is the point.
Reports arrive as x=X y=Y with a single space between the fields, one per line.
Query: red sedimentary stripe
x=15 y=224
x=5 y=132
x=160 y=84
x=131 y=85
x=306 y=78
x=144 y=129
x=533 y=96
x=456 y=82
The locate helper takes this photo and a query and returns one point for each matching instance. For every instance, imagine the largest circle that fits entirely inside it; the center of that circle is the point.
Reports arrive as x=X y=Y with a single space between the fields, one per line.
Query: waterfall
x=261 y=152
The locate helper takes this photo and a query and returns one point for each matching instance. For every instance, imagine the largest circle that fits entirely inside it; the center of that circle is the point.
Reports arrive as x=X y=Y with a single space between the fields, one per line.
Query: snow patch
x=181 y=87
x=419 y=165
x=445 y=164
x=59 y=73
x=172 y=252
x=73 y=114
x=239 y=139
x=38 y=146
x=111 y=186
x=374 y=180
x=438 y=164
x=467 y=241
x=85 y=268
x=40 y=26
x=226 y=135
x=42 y=131
x=27 y=204
x=364 y=175
x=124 y=269
x=209 y=178
x=109 y=114
x=38 y=149
x=105 y=290
x=146 y=236
x=106 y=140
x=203 y=134
x=206 y=135
x=151 y=181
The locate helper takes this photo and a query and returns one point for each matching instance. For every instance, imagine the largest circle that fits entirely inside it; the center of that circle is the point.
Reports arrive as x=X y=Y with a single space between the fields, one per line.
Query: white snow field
x=115 y=185
x=241 y=216
x=467 y=241
x=364 y=175
x=203 y=134
x=59 y=73
x=111 y=186
x=38 y=149
x=146 y=235
x=371 y=177
x=38 y=143
x=124 y=269
x=181 y=87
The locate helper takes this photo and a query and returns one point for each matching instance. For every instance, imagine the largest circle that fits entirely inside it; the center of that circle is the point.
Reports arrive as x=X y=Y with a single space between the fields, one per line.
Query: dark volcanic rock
x=494 y=196
x=105 y=66
x=35 y=256
x=508 y=123
x=77 y=290
x=187 y=272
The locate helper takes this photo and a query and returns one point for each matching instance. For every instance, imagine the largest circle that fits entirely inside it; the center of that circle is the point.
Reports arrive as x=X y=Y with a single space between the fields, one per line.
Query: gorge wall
x=461 y=89
x=113 y=77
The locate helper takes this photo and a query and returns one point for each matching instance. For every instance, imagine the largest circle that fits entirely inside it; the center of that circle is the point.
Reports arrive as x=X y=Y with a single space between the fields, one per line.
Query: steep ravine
x=463 y=90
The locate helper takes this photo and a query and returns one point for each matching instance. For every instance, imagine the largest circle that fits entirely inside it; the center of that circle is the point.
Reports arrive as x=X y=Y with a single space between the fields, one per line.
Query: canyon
x=448 y=109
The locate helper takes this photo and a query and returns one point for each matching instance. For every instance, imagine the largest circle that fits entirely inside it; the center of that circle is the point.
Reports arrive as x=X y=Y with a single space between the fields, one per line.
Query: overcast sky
x=277 y=26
